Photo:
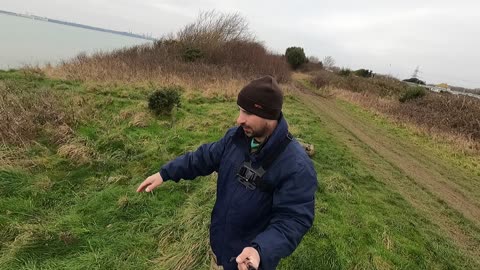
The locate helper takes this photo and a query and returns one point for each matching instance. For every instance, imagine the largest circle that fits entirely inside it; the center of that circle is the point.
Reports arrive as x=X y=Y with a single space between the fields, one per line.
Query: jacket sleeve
x=293 y=211
x=203 y=161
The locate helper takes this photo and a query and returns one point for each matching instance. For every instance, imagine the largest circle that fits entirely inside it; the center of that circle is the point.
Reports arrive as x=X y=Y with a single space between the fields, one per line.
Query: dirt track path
x=441 y=192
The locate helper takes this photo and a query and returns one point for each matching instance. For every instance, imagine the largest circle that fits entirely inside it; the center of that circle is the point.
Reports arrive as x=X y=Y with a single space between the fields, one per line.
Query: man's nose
x=240 y=119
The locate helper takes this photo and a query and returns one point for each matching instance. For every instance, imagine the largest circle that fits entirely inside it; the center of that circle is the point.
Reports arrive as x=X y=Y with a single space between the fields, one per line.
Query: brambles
x=380 y=85
x=438 y=112
x=413 y=93
x=321 y=80
x=454 y=114
x=163 y=100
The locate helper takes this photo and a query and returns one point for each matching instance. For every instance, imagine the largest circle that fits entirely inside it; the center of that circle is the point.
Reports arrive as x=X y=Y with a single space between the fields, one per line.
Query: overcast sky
x=441 y=37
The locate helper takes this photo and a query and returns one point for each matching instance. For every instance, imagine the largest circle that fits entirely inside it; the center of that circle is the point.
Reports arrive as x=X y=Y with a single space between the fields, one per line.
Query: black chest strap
x=252 y=178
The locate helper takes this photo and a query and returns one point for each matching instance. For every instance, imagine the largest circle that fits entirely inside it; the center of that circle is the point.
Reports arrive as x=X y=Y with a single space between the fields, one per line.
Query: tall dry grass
x=436 y=113
x=429 y=120
x=25 y=113
x=226 y=51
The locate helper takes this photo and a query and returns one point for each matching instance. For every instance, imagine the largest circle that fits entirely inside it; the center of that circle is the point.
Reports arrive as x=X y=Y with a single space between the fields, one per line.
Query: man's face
x=253 y=125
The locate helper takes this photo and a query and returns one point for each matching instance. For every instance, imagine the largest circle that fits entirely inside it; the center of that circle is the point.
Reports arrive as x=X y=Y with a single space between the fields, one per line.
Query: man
x=266 y=183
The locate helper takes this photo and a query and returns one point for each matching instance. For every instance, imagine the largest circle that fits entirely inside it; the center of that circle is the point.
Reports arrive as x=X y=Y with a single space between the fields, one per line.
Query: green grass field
x=78 y=209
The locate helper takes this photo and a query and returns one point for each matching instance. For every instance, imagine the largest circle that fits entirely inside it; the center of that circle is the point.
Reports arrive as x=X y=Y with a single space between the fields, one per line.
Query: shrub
x=33 y=73
x=295 y=56
x=320 y=80
x=415 y=80
x=455 y=114
x=328 y=62
x=363 y=73
x=413 y=93
x=311 y=66
x=212 y=29
x=163 y=100
x=216 y=47
x=344 y=72
x=380 y=85
x=313 y=59
x=192 y=54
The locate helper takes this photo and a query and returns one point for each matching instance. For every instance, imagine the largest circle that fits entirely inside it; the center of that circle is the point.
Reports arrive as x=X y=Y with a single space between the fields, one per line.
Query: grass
x=63 y=212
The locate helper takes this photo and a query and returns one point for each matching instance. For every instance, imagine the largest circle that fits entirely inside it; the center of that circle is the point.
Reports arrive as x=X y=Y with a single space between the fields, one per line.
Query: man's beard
x=250 y=132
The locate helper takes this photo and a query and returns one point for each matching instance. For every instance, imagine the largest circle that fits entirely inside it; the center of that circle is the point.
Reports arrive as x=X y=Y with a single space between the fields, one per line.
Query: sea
x=24 y=41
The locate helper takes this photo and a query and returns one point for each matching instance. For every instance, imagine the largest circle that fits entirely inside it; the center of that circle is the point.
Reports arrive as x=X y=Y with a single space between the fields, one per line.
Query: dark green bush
x=295 y=56
x=344 y=72
x=192 y=54
x=363 y=73
x=413 y=93
x=163 y=100
x=415 y=80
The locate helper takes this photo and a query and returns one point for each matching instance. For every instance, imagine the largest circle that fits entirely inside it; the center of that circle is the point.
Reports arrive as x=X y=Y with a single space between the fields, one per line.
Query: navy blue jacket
x=274 y=222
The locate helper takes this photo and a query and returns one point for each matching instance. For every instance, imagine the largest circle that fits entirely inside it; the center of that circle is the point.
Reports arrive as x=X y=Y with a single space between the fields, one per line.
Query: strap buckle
x=250 y=177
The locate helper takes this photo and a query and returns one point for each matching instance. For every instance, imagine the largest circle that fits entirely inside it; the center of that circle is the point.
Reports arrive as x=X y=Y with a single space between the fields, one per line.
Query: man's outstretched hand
x=248 y=258
x=150 y=183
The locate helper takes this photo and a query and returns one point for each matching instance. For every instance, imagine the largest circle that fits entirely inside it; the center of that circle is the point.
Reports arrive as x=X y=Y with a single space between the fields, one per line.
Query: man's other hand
x=150 y=183
x=248 y=257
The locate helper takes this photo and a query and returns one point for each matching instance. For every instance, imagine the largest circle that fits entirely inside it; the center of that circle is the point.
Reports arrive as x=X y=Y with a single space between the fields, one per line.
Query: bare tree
x=415 y=72
x=328 y=62
x=313 y=59
x=212 y=27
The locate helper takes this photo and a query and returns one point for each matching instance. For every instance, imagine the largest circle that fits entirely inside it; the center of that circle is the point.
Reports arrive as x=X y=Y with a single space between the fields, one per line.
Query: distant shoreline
x=38 y=18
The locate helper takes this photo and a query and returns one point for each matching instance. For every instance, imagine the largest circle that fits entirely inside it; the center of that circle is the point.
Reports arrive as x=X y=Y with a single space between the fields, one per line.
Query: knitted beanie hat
x=262 y=97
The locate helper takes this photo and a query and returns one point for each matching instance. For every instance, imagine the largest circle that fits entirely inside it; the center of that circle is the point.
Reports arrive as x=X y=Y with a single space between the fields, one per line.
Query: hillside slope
x=387 y=198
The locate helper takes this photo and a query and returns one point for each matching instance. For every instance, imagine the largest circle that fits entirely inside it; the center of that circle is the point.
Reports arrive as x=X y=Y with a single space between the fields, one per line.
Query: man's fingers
x=248 y=257
x=242 y=266
x=150 y=183
x=242 y=260
x=142 y=186
x=246 y=266
x=242 y=257
x=146 y=185
x=153 y=185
